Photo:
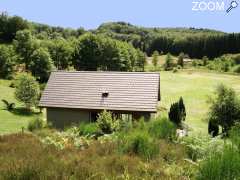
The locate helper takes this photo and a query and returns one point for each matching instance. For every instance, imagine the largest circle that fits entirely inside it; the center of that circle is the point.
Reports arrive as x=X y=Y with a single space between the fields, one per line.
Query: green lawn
x=12 y=121
x=194 y=87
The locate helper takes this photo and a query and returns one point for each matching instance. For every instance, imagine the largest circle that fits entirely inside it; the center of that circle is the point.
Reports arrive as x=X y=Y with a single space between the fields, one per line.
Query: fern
x=9 y=106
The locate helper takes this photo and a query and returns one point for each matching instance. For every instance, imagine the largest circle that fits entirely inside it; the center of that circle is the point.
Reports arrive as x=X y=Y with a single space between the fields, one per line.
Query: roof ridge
x=116 y=72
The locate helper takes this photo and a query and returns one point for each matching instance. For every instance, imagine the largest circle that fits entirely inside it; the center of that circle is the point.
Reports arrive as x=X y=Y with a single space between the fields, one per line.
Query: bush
x=205 y=60
x=222 y=64
x=140 y=143
x=235 y=135
x=221 y=165
x=107 y=123
x=168 y=65
x=175 y=70
x=200 y=146
x=180 y=60
x=35 y=124
x=163 y=129
x=88 y=129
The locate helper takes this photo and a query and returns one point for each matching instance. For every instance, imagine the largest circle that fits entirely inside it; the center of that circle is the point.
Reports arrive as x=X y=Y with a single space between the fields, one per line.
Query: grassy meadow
x=13 y=121
x=195 y=87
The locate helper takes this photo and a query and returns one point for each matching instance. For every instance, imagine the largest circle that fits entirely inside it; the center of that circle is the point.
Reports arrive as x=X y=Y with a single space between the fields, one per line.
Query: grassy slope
x=194 y=87
x=11 y=121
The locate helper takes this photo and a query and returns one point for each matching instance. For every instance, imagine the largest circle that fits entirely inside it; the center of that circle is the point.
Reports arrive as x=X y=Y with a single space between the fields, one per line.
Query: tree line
x=197 y=43
x=88 y=52
x=112 y=47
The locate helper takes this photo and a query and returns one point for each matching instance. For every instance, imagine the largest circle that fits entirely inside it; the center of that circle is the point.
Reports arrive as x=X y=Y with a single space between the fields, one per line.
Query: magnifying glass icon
x=233 y=5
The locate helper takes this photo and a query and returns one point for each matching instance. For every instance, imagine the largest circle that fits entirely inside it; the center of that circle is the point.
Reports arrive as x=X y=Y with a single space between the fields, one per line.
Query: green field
x=193 y=86
x=12 y=121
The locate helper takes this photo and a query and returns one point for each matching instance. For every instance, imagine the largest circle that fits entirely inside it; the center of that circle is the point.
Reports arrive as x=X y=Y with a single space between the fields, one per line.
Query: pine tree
x=177 y=112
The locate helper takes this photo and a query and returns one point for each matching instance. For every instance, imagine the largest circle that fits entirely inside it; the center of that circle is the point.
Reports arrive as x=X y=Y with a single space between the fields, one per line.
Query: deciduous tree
x=27 y=90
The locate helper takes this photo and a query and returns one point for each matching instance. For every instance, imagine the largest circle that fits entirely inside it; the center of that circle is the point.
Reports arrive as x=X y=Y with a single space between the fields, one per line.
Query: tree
x=27 y=90
x=61 y=53
x=97 y=52
x=41 y=64
x=174 y=114
x=7 y=61
x=25 y=44
x=10 y=25
x=168 y=62
x=180 y=61
x=224 y=108
x=87 y=53
x=177 y=112
x=155 y=59
x=140 y=62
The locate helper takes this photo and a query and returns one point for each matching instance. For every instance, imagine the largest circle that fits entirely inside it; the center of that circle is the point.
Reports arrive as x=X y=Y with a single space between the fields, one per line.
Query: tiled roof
x=125 y=91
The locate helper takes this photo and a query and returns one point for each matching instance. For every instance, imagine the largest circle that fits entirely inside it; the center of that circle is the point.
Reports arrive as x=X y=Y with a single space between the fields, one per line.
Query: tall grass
x=24 y=157
x=35 y=124
x=223 y=165
x=140 y=143
x=162 y=128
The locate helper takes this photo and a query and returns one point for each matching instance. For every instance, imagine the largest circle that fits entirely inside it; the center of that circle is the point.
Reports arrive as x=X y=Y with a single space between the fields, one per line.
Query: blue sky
x=91 y=13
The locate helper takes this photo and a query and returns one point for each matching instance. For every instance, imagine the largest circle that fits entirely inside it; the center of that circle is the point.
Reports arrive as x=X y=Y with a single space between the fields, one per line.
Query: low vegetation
x=135 y=153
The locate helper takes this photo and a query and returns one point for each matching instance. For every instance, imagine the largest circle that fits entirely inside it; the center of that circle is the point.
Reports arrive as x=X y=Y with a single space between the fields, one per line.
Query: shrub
x=162 y=129
x=125 y=125
x=199 y=146
x=177 y=112
x=205 y=60
x=224 y=108
x=9 y=106
x=221 y=165
x=168 y=65
x=194 y=63
x=88 y=129
x=155 y=59
x=180 y=60
x=140 y=143
x=175 y=70
x=35 y=124
x=107 y=123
